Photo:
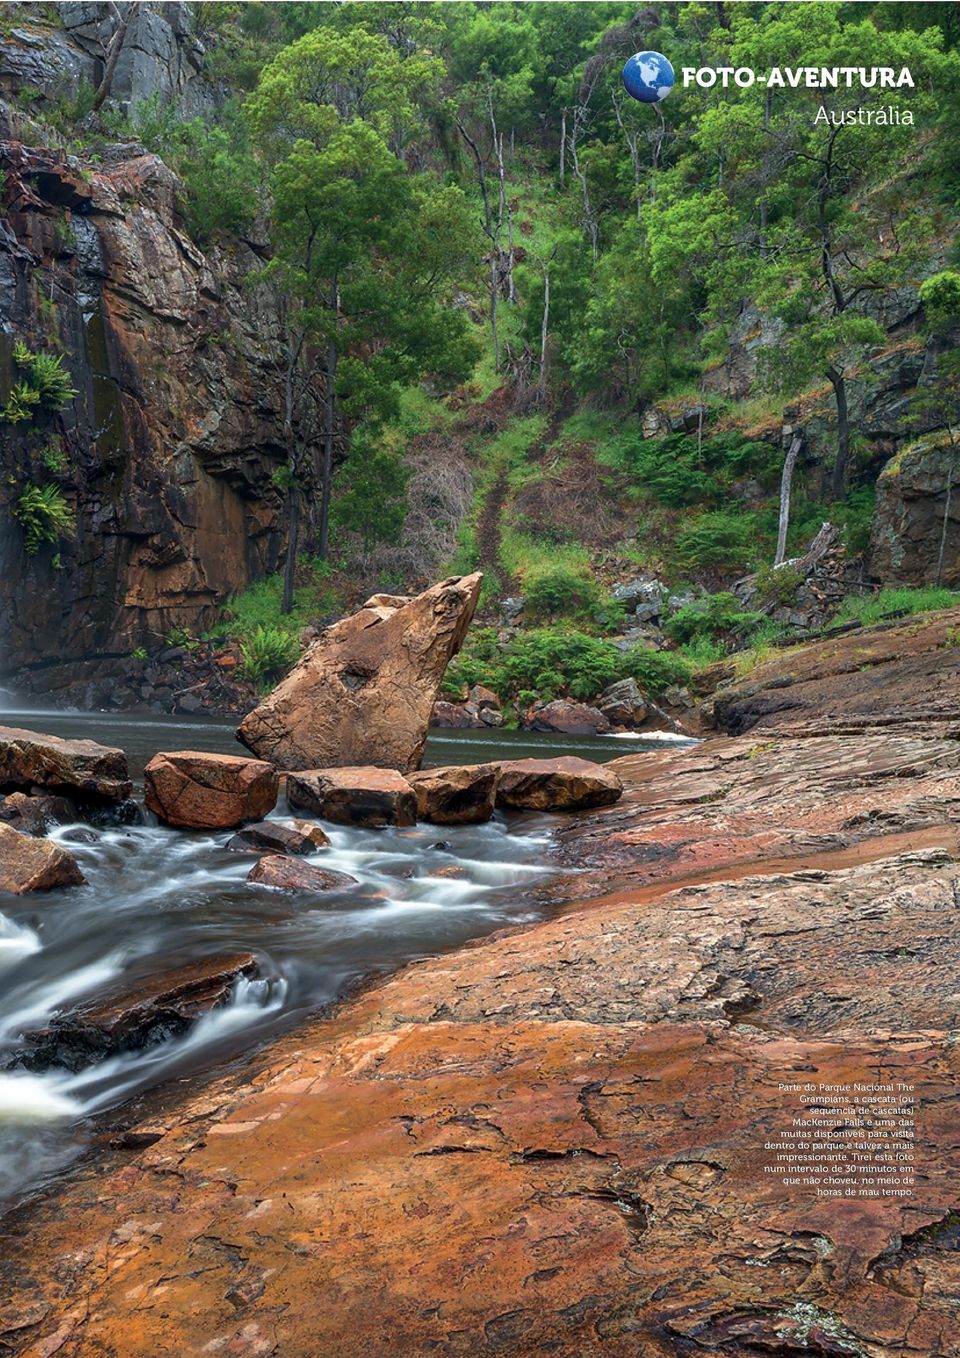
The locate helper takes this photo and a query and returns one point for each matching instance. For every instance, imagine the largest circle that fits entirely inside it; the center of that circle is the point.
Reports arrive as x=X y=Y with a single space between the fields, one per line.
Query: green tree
x=366 y=253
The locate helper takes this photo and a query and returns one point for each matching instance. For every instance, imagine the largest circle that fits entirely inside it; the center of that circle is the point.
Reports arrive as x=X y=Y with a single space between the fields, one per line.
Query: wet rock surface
x=35 y=815
x=82 y=769
x=295 y=837
x=572 y=719
x=364 y=691
x=566 y=784
x=366 y=796
x=31 y=864
x=456 y=795
x=159 y=1008
x=286 y=873
x=193 y=790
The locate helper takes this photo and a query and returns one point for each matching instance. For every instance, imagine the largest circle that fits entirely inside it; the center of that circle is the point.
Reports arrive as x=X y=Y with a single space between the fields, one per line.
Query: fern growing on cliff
x=44 y=515
x=47 y=384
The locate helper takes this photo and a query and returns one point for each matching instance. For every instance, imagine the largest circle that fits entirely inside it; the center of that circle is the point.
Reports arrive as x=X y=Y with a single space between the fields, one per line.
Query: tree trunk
x=112 y=56
x=786 y=482
x=563 y=148
x=326 y=464
x=838 y=382
x=544 y=331
x=293 y=538
x=494 y=289
x=946 y=516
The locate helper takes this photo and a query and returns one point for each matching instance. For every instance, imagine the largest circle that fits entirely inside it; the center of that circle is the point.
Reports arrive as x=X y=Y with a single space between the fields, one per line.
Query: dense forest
x=622 y=357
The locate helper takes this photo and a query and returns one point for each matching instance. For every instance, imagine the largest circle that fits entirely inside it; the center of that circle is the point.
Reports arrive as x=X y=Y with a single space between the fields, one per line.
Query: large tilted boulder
x=197 y=791
x=284 y=873
x=79 y=768
x=571 y=719
x=364 y=691
x=458 y=795
x=568 y=784
x=367 y=797
x=29 y=864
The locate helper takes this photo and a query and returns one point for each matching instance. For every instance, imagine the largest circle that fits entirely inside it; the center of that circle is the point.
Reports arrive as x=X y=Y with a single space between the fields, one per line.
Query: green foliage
x=54 y=457
x=678 y=473
x=940 y=296
x=44 y=515
x=711 y=617
x=553 y=661
x=46 y=386
x=778 y=586
x=267 y=652
x=655 y=671
x=871 y=608
x=717 y=540
x=182 y=637
x=259 y=604
x=139 y=653
x=371 y=492
x=562 y=592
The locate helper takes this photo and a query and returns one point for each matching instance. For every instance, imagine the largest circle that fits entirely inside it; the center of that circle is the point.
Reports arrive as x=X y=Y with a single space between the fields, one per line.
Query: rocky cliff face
x=170 y=444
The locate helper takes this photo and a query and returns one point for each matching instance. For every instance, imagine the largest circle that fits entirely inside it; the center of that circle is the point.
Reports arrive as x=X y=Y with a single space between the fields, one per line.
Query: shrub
x=44 y=516
x=655 y=671
x=718 y=540
x=553 y=661
x=46 y=384
x=678 y=473
x=778 y=585
x=562 y=592
x=708 y=618
x=868 y=609
x=267 y=653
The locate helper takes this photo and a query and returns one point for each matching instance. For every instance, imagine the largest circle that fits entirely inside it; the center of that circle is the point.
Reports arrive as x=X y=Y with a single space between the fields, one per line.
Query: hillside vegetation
x=537 y=328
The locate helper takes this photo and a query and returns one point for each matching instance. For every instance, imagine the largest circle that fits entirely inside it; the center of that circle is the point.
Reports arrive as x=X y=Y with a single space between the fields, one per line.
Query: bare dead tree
x=112 y=49
x=786 y=483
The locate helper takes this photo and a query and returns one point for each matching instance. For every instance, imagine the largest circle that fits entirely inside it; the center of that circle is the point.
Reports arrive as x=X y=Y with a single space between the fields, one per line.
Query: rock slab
x=567 y=784
x=269 y=836
x=457 y=795
x=30 y=864
x=367 y=796
x=285 y=873
x=364 y=691
x=80 y=768
x=197 y=791
x=159 y=1008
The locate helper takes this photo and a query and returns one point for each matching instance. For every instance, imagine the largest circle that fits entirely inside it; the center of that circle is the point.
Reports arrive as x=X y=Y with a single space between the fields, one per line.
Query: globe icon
x=648 y=76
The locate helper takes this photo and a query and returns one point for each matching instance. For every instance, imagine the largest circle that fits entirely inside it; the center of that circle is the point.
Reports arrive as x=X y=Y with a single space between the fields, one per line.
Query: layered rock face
x=364 y=691
x=170 y=445
x=81 y=769
x=911 y=512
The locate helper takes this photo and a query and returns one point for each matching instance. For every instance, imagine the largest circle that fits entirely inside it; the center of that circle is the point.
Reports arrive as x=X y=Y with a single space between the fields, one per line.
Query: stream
x=157 y=898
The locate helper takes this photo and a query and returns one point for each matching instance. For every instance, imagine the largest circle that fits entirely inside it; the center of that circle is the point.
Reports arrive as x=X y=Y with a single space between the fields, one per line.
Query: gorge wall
x=167 y=453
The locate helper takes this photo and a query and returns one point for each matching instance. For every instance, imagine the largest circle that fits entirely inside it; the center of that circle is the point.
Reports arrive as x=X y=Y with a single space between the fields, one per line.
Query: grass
x=868 y=609
x=258 y=607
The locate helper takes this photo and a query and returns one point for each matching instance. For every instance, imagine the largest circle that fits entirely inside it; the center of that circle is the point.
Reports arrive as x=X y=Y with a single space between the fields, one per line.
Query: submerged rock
x=81 y=768
x=365 y=689
x=197 y=791
x=297 y=837
x=30 y=864
x=568 y=784
x=159 y=1008
x=459 y=795
x=285 y=873
x=367 y=796
x=35 y=815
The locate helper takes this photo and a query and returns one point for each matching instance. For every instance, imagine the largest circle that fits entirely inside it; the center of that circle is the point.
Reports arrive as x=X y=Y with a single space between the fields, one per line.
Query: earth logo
x=648 y=76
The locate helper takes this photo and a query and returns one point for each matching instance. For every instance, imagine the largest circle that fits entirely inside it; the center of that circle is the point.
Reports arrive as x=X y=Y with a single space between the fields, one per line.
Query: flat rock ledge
x=81 y=769
x=552 y=1142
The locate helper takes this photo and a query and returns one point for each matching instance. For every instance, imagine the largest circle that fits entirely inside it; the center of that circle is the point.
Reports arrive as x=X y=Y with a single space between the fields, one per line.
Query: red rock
x=297 y=837
x=292 y=874
x=364 y=691
x=81 y=768
x=455 y=716
x=194 y=790
x=29 y=864
x=35 y=815
x=568 y=784
x=572 y=719
x=364 y=796
x=458 y=795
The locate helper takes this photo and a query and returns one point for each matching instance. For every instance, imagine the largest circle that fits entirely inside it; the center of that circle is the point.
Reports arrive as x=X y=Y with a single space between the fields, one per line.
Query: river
x=156 y=898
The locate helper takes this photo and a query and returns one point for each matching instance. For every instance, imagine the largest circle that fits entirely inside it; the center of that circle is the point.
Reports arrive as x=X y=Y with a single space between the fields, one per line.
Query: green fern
x=47 y=384
x=21 y=404
x=44 y=515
